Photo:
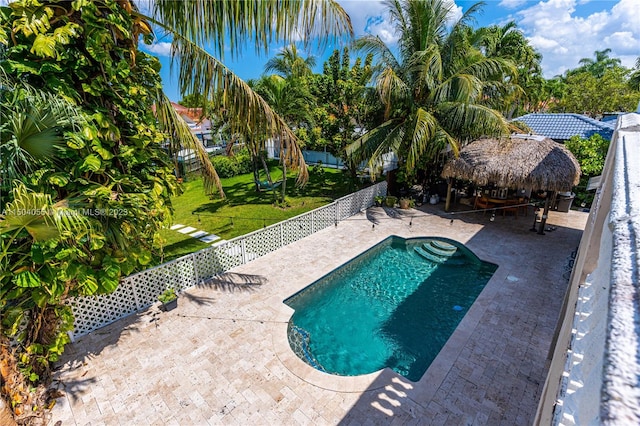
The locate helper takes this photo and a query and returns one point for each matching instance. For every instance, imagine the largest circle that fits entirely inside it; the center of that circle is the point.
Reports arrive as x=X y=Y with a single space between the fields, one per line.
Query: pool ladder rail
x=436 y=251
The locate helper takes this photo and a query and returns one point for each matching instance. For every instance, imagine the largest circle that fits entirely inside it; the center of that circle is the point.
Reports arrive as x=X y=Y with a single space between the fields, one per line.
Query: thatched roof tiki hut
x=521 y=161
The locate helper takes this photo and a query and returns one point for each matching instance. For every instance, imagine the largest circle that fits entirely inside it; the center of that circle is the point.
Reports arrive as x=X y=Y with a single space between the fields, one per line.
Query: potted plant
x=378 y=199
x=169 y=299
x=406 y=203
x=390 y=201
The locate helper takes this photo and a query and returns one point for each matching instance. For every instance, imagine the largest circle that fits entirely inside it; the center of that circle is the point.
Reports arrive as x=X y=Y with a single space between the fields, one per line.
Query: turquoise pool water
x=393 y=306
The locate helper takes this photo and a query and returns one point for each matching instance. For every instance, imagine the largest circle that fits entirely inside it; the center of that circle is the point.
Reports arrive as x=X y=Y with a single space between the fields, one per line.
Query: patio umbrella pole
x=545 y=213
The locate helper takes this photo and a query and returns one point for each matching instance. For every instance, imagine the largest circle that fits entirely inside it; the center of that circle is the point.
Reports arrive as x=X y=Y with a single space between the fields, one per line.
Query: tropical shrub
x=591 y=154
x=229 y=166
x=87 y=210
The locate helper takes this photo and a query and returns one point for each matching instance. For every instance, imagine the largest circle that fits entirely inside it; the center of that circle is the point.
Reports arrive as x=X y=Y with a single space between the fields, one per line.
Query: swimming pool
x=395 y=305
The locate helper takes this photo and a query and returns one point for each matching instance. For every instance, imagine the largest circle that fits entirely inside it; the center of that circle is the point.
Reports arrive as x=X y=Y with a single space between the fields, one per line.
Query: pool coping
x=433 y=376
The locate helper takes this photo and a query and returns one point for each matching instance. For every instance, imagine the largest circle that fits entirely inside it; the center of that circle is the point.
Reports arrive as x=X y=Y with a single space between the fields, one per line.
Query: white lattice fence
x=141 y=290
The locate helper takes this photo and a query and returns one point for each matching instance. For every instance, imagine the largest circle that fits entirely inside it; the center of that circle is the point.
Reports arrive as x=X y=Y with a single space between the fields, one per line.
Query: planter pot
x=390 y=201
x=404 y=203
x=170 y=305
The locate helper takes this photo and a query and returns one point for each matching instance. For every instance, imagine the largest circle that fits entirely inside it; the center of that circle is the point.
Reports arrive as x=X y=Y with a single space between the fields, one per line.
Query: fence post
x=244 y=251
x=337 y=203
x=135 y=293
x=281 y=234
x=195 y=268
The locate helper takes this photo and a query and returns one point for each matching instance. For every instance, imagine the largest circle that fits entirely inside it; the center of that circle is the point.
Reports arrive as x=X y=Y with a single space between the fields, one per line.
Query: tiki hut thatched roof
x=518 y=162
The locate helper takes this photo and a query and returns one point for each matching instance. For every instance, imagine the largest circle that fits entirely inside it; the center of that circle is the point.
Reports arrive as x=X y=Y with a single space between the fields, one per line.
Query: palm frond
x=32 y=126
x=471 y=120
x=487 y=68
x=391 y=143
x=391 y=88
x=375 y=45
x=228 y=24
x=39 y=216
x=424 y=127
x=375 y=140
x=202 y=73
x=426 y=67
x=458 y=88
x=468 y=18
x=181 y=137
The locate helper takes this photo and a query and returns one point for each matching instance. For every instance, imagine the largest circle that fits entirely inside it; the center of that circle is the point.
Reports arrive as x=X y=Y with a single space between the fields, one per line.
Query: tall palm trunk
x=284 y=179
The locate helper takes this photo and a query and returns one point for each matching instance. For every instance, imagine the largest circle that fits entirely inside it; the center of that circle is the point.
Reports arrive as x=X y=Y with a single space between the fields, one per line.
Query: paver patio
x=222 y=356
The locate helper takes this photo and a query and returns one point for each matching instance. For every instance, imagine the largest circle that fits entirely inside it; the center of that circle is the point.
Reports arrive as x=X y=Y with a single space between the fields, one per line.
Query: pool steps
x=436 y=251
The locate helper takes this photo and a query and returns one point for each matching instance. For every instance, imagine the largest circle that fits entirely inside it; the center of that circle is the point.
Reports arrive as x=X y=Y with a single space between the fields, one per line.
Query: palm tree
x=289 y=63
x=601 y=63
x=433 y=92
x=228 y=24
x=31 y=127
x=509 y=43
x=291 y=100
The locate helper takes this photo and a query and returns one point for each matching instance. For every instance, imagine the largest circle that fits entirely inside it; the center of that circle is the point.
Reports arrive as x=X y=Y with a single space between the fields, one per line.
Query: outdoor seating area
x=514 y=202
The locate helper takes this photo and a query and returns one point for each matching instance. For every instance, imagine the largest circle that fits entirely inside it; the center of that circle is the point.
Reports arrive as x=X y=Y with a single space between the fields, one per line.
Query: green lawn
x=245 y=210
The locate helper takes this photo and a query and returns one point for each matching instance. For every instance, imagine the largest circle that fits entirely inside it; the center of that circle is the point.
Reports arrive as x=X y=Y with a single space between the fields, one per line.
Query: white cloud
x=563 y=37
x=370 y=17
x=456 y=13
x=361 y=11
x=512 y=4
x=162 y=48
x=381 y=27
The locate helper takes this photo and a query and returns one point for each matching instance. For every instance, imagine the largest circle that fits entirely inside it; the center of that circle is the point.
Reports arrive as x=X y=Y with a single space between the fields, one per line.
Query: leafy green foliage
x=95 y=182
x=588 y=94
x=512 y=96
x=590 y=153
x=229 y=166
x=344 y=103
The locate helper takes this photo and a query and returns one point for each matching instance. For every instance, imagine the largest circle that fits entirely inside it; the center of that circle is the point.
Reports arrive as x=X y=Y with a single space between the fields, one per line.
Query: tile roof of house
x=563 y=126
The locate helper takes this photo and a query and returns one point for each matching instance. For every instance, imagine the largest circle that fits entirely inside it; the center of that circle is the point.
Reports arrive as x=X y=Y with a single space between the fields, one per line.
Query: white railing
x=141 y=290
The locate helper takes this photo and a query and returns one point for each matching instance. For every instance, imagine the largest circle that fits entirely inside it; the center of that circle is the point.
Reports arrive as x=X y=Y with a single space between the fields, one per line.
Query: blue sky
x=564 y=31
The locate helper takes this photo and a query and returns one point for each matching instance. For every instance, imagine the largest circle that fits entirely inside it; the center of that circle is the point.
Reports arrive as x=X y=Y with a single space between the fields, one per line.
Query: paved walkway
x=203 y=236
x=222 y=356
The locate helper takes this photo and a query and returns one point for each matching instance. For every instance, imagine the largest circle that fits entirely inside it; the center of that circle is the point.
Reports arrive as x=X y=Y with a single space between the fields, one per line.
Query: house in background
x=199 y=125
x=561 y=127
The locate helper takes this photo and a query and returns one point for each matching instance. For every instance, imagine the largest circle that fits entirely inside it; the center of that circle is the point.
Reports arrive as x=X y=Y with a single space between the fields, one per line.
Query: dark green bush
x=228 y=167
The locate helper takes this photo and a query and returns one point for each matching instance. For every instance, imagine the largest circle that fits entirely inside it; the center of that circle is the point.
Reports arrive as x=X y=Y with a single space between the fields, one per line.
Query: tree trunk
x=284 y=179
x=6 y=415
x=8 y=375
x=266 y=170
x=256 y=171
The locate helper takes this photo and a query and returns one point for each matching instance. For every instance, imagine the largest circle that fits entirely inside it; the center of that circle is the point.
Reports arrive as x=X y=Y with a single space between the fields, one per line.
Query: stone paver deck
x=222 y=356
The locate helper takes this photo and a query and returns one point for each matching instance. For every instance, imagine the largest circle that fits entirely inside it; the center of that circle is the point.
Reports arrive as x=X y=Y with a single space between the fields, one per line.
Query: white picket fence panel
x=139 y=291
